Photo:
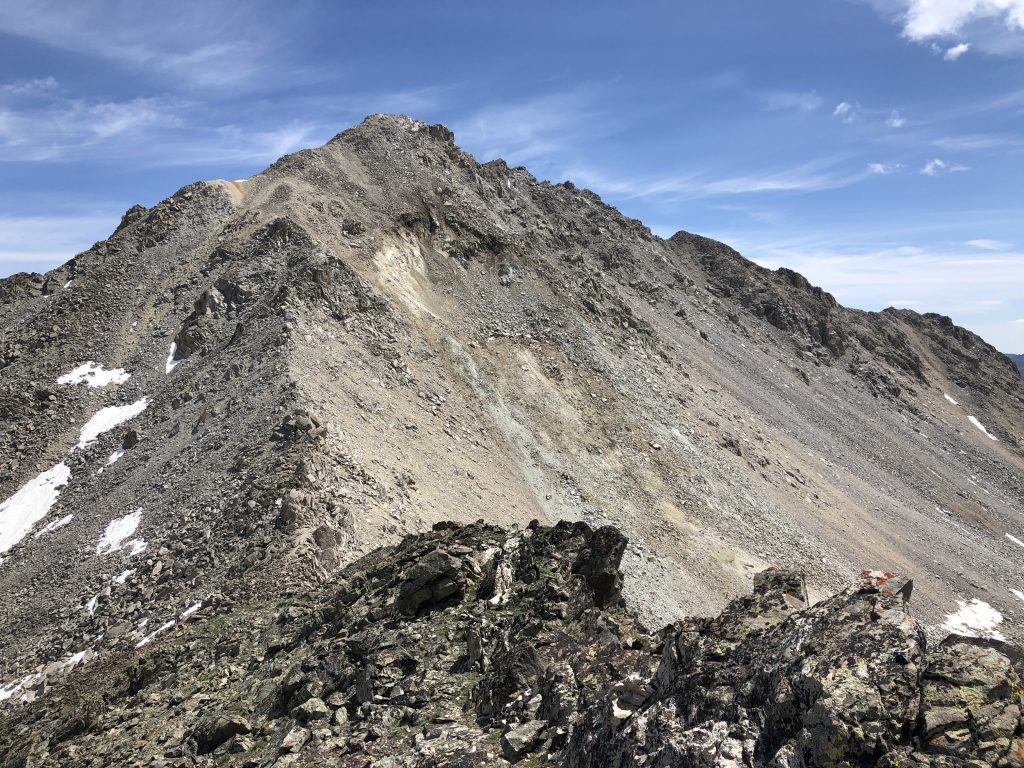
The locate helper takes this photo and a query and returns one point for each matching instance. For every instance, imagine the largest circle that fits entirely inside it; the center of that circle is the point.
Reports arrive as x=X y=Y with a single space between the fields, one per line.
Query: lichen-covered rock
x=470 y=645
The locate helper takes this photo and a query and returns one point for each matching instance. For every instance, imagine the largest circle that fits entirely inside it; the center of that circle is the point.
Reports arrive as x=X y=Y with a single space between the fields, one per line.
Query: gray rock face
x=558 y=672
x=383 y=334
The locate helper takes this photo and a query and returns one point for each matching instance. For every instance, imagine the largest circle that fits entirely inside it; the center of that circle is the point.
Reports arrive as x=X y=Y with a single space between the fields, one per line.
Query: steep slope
x=381 y=333
x=473 y=646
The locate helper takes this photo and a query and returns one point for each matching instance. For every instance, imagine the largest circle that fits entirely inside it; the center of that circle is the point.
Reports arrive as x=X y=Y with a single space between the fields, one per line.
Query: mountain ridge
x=380 y=334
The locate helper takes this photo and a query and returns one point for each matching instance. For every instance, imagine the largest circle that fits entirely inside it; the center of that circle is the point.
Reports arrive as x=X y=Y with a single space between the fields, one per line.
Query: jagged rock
x=520 y=741
x=772 y=681
x=212 y=731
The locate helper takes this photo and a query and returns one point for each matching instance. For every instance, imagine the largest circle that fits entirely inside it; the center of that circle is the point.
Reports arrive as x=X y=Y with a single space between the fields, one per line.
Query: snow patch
x=149 y=638
x=191 y=609
x=95 y=375
x=954 y=402
x=91 y=605
x=108 y=418
x=1018 y=593
x=117 y=531
x=138 y=546
x=171 y=362
x=122 y=577
x=1015 y=540
x=113 y=457
x=30 y=504
x=55 y=525
x=975 y=619
x=26 y=683
x=981 y=426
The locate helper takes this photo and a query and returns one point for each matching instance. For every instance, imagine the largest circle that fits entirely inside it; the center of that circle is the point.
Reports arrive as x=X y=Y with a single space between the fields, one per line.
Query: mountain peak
x=254 y=385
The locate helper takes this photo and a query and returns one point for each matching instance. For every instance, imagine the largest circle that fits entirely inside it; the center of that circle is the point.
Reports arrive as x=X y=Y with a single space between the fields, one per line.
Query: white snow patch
x=117 y=531
x=91 y=605
x=95 y=375
x=1018 y=593
x=149 y=638
x=975 y=619
x=981 y=426
x=1015 y=540
x=113 y=457
x=67 y=284
x=55 y=525
x=138 y=546
x=21 y=685
x=122 y=577
x=28 y=681
x=954 y=402
x=30 y=504
x=171 y=362
x=191 y=609
x=108 y=418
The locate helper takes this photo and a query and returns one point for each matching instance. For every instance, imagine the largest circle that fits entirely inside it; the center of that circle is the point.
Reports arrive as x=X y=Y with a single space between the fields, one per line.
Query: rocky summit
x=245 y=442
x=472 y=645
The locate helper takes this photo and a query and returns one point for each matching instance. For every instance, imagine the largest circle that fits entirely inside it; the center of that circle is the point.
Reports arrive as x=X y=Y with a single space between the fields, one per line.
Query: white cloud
x=937 y=167
x=990 y=245
x=882 y=169
x=926 y=19
x=954 y=53
x=896 y=120
x=688 y=185
x=31 y=87
x=209 y=44
x=976 y=141
x=980 y=291
x=845 y=111
x=795 y=100
x=533 y=131
x=38 y=243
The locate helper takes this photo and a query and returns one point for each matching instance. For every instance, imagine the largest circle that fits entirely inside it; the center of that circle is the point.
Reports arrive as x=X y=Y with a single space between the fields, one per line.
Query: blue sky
x=877 y=146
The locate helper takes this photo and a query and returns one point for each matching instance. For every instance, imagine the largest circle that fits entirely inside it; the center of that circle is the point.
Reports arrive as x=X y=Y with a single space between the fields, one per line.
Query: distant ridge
x=1018 y=360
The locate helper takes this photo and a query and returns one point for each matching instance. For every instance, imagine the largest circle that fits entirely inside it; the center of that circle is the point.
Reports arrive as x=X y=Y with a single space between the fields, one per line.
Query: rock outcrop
x=471 y=645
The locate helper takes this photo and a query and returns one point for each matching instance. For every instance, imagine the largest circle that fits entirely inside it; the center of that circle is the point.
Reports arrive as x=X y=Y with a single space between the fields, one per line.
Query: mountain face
x=1018 y=360
x=253 y=384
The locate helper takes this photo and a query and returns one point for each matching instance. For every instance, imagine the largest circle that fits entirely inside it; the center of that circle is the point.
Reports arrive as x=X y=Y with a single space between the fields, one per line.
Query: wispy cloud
x=209 y=44
x=38 y=243
x=794 y=100
x=35 y=86
x=884 y=169
x=535 y=130
x=978 y=290
x=56 y=129
x=809 y=177
x=937 y=167
x=846 y=111
x=976 y=141
x=990 y=245
x=896 y=120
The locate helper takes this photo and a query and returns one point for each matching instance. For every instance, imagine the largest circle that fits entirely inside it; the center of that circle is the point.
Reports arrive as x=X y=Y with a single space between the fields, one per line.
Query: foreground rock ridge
x=472 y=645
x=253 y=384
